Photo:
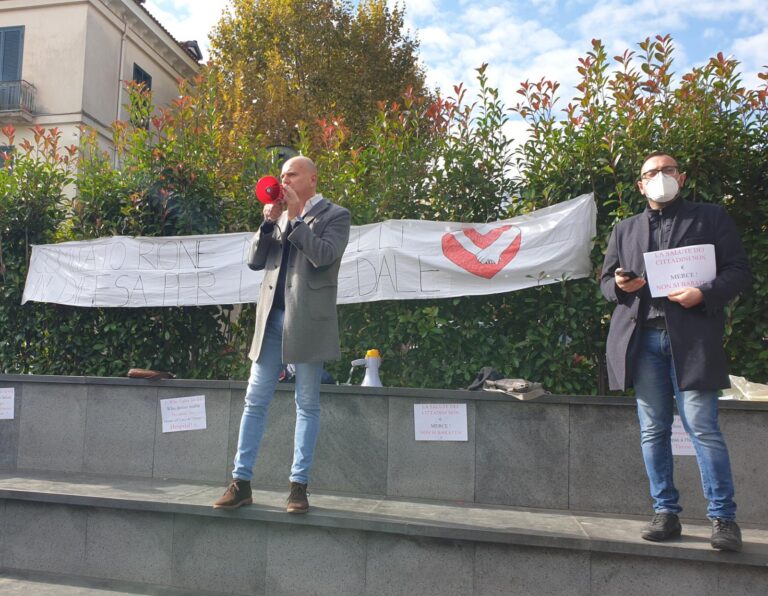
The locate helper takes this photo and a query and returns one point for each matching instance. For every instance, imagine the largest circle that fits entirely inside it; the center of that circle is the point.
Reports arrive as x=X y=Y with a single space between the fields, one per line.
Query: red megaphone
x=268 y=190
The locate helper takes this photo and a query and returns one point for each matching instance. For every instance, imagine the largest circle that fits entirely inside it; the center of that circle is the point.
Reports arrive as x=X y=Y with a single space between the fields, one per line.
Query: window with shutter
x=11 y=46
x=142 y=76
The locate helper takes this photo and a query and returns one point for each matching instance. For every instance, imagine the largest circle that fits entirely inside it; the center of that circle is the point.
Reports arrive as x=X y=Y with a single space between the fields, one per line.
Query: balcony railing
x=17 y=96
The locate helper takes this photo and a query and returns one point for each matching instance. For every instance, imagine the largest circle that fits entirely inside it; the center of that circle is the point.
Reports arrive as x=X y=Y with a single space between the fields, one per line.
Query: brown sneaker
x=297 y=500
x=238 y=493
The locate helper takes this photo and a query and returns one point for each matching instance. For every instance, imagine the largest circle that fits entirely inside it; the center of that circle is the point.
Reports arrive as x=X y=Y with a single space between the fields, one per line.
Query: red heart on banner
x=494 y=251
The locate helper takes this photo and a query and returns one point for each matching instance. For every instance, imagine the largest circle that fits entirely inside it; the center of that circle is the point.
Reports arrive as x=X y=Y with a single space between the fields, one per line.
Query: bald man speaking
x=299 y=247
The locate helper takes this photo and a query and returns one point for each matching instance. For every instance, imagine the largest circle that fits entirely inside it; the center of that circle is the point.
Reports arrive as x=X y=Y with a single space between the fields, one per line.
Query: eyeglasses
x=666 y=170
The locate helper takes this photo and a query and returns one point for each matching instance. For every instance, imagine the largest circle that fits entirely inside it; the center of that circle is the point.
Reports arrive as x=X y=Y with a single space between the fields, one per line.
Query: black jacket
x=696 y=334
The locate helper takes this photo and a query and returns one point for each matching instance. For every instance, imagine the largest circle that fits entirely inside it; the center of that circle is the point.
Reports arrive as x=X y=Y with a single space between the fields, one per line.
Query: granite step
x=451 y=520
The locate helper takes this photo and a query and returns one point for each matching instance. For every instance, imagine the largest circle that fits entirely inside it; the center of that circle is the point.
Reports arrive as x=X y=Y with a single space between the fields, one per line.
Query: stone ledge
x=356 y=390
x=417 y=518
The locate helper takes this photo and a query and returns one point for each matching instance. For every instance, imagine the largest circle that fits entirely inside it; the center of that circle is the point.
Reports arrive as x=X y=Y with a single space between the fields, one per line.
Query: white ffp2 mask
x=662 y=188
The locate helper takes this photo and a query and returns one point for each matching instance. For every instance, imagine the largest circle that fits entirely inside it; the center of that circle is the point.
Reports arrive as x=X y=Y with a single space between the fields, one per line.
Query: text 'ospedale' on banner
x=390 y=260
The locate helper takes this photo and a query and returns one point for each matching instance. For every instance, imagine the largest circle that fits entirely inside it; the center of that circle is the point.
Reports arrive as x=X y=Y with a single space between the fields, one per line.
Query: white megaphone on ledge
x=371 y=362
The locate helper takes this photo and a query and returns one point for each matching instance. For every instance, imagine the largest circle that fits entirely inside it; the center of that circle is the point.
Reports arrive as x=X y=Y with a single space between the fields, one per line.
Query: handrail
x=17 y=96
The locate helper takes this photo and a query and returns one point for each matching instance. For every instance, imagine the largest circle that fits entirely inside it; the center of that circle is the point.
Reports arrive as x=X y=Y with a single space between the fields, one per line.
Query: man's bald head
x=300 y=174
x=303 y=162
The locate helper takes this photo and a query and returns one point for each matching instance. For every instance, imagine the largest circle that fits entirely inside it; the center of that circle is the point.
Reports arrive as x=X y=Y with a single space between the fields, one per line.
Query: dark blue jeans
x=656 y=389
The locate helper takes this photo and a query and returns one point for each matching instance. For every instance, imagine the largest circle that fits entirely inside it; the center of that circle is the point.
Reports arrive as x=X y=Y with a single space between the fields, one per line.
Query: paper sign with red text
x=183 y=413
x=678 y=268
x=440 y=422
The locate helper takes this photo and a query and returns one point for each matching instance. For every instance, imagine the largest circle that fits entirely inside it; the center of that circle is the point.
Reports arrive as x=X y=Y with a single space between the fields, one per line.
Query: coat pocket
x=322 y=279
x=321 y=303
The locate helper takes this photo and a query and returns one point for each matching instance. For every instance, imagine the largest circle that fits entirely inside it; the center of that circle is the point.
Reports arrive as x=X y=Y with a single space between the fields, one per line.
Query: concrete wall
x=103 y=67
x=242 y=556
x=558 y=452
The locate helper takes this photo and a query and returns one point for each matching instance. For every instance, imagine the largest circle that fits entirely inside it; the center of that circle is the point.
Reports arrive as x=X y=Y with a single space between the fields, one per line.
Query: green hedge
x=188 y=170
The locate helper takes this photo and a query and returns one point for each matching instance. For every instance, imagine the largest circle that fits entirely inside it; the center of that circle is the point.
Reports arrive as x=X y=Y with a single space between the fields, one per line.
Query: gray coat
x=311 y=328
x=695 y=334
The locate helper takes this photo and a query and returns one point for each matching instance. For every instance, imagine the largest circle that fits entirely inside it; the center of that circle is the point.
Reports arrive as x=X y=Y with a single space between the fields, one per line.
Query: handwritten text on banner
x=391 y=260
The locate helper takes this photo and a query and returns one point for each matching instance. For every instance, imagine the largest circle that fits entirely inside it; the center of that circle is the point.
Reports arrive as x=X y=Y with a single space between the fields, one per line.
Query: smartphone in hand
x=626 y=274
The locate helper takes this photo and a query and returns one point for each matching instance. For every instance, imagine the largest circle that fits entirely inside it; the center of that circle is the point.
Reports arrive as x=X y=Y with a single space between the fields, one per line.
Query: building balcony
x=17 y=100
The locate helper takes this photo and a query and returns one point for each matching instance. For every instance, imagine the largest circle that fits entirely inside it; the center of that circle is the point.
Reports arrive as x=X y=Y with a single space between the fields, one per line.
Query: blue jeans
x=261 y=388
x=655 y=386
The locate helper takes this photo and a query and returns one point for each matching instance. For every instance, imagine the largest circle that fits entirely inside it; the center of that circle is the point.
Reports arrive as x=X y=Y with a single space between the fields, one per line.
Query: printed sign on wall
x=440 y=422
x=183 y=413
x=6 y=403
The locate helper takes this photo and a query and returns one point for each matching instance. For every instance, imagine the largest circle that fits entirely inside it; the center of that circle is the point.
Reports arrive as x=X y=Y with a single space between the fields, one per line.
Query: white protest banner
x=677 y=268
x=390 y=260
x=407 y=259
x=183 y=413
x=440 y=422
x=681 y=442
x=6 y=403
x=128 y=271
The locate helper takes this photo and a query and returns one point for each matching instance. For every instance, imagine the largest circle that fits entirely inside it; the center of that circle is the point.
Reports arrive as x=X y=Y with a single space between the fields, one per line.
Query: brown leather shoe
x=726 y=535
x=297 y=500
x=238 y=493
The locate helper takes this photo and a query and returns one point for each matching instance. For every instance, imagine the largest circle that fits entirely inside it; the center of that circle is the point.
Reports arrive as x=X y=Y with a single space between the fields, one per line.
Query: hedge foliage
x=183 y=170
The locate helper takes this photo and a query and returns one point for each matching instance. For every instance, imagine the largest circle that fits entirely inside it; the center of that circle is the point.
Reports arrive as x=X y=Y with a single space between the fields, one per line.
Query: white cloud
x=453 y=48
x=753 y=49
x=188 y=19
x=443 y=77
x=415 y=8
x=545 y=7
x=541 y=38
x=752 y=52
x=613 y=19
x=439 y=41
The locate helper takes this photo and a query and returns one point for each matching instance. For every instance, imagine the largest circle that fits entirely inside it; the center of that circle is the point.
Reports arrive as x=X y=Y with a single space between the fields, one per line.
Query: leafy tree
x=284 y=62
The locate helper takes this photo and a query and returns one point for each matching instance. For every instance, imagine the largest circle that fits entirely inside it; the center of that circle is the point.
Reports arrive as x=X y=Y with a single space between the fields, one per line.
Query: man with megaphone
x=299 y=247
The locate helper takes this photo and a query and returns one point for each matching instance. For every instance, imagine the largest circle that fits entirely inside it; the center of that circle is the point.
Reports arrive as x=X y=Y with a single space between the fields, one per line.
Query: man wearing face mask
x=671 y=348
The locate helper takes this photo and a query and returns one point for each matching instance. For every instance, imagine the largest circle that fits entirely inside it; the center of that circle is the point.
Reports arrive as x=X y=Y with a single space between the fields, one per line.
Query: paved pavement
x=43 y=584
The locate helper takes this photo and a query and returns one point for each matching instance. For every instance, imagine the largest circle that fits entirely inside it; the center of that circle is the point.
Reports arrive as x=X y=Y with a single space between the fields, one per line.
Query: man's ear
x=681 y=180
x=640 y=187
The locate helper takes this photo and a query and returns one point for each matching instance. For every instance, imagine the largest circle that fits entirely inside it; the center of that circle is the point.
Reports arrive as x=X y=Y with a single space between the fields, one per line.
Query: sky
x=540 y=38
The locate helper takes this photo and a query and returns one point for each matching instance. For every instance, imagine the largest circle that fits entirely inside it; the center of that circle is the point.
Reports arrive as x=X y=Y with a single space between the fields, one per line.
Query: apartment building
x=63 y=63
